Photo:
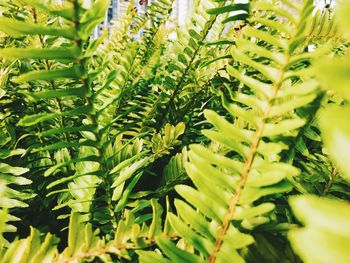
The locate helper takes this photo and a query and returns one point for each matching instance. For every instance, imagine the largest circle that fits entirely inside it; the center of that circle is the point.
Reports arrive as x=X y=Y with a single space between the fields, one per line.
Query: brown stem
x=102 y=251
x=238 y=192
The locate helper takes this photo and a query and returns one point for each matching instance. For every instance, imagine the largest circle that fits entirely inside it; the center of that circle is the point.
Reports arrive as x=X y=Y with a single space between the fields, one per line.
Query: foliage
x=211 y=146
x=326 y=220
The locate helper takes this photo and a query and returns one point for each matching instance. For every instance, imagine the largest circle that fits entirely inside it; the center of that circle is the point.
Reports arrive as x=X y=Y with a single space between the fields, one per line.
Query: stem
x=106 y=184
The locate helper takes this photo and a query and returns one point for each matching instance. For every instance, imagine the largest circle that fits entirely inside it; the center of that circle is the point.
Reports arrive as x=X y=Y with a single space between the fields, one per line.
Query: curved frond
x=231 y=184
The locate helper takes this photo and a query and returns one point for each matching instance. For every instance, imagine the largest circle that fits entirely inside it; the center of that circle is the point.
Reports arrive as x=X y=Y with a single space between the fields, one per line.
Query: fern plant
x=231 y=183
x=138 y=147
x=319 y=214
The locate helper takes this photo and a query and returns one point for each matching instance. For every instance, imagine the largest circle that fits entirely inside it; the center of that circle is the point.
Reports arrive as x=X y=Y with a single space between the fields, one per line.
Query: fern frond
x=119 y=37
x=323 y=27
x=130 y=63
x=32 y=248
x=84 y=243
x=174 y=172
x=79 y=154
x=230 y=185
x=189 y=51
x=322 y=234
x=12 y=176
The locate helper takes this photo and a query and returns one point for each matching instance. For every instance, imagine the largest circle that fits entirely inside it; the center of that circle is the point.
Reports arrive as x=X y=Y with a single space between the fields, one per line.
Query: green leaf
x=182 y=59
x=155 y=228
x=73 y=73
x=228 y=8
x=68 y=179
x=194 y=34
x=8 y=169
x=66 y=11
x=336 y=75
x=236 y=17
x=151 y=257
x=269 y=72
x=93 y=17
x=326 y=229
x=47 y=250
x=206 y=205
x=251 y=194
x=201 y=244
x=71 y=53
x=127 y=192
x=249 y=212
x=61 y=145
x=227 y=129
x=8 y=153
x=74 y=92
x=73 y=233
x=262 y=89
x=19 y=180
x=54 y=131
x=195 y=219
x=284 y=127
x=322 y=213
x=18 y=28
x=129 y=171
x=176 y=254
x=216 y=159
x=34 y=119
x=336 y=135
x=342 y=16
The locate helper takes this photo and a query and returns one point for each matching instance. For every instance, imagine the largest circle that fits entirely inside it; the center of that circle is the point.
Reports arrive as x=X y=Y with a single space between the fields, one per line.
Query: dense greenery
x=227 y=143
